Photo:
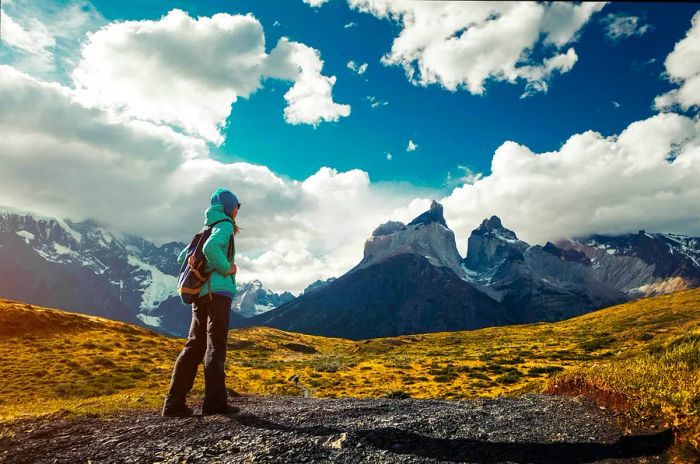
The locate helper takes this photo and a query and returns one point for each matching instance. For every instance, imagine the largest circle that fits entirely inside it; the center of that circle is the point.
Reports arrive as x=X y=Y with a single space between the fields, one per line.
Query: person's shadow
x=480 y=451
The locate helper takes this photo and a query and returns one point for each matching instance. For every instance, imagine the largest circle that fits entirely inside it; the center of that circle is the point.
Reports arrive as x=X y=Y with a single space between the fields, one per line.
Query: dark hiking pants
x=206 y=340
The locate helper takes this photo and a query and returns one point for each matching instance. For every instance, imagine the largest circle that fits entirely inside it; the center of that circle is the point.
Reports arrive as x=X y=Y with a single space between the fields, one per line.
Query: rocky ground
x=533 y=428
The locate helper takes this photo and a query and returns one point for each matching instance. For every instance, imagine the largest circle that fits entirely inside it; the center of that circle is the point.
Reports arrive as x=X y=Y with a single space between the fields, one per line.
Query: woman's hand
x=233 y=269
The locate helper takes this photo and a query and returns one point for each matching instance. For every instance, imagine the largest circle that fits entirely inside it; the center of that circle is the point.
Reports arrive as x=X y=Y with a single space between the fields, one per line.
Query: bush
x=509 y=377
x=544 y=370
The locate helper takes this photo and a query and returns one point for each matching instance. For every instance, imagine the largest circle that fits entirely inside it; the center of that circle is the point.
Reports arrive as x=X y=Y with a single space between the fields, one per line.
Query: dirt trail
x=532 y=428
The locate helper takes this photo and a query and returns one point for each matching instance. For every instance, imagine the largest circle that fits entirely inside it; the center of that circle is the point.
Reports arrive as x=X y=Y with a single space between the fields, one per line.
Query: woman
x=210 y=316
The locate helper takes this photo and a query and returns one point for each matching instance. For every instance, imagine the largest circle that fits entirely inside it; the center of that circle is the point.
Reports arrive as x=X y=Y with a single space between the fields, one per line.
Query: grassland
x=645 y=355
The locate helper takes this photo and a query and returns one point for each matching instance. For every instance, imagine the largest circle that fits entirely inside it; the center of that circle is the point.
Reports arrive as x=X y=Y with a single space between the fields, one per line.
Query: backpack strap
x=212 y=226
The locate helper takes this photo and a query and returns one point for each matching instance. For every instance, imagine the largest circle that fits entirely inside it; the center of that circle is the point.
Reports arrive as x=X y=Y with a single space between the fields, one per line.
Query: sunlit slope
x=51 y=359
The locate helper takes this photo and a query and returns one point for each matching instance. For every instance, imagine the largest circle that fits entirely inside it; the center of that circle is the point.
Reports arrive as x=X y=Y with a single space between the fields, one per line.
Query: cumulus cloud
x=465 y=44
x=187 y=72
x=62 y=158
x=619 y=26
x=411 y=146
x=683 y=68
x=388 y=156
x=43 y=38
x=359 y=69
x=643 y=178
x=310 y=100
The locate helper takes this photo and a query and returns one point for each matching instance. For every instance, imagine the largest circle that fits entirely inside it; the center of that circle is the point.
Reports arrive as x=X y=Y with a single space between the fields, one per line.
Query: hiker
x=211 y=310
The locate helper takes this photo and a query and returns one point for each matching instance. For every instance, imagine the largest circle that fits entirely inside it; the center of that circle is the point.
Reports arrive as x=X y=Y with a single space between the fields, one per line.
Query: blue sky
x=450 y=128
x=133 y=113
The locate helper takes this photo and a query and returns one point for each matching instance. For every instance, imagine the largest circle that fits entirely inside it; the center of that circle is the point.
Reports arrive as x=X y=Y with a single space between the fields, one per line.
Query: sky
x=328 y=118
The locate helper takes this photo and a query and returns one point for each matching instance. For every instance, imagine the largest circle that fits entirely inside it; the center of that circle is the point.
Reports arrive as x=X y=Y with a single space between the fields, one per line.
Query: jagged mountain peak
x=490 y=244
x=434 y=214
x=427 y=235
x=494 y=226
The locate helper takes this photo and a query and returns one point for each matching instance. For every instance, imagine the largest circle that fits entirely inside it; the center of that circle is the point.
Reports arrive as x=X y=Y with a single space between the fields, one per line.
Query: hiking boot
x=228 y=409
x=179 y=412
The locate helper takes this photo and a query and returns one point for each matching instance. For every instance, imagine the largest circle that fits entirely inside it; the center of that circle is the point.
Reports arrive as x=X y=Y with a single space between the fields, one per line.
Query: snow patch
x=27 y=236
x=62 y=250
x=153 y=321
x=260 y=309
x=156 y=287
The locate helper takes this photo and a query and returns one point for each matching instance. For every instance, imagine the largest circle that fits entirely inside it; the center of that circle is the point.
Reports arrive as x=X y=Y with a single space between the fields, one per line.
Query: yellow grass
x=54 y=360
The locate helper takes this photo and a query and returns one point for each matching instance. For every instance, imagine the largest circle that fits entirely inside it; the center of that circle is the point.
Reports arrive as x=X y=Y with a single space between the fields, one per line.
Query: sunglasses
x=239 y=205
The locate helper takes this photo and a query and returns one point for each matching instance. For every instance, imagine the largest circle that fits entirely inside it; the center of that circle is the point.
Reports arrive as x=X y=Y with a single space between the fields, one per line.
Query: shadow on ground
x=401 y=441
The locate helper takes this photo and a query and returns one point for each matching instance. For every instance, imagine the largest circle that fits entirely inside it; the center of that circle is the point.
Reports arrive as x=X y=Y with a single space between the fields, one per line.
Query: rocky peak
x=494 y=226
x=427 y=235
x=490 y=244
x=433 y=215
x=388 y=228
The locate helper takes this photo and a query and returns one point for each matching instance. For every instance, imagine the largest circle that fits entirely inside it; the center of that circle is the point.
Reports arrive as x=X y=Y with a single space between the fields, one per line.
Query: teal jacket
x=215 y=250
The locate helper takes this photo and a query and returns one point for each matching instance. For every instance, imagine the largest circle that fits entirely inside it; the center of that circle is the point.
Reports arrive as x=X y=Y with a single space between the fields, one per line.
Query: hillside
x=53 y=360
x=641 y=356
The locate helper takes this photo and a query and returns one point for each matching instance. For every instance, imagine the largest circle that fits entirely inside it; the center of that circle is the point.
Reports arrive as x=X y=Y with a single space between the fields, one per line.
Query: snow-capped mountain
x=409 y=281
x=534 y=283
x=644 y=263
x=412 y=279
x=254 y=299
x=84 y=266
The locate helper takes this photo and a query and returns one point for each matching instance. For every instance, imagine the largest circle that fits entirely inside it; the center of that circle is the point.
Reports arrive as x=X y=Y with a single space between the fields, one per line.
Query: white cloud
x=464 y=44
x=467 y=176
x=33 y=38
x=310 y=100
x=411 y=146
x=375 y=102
x=350 y=25
x=388 y=156
x=315 y=3
x=616 y=104
x=683 y=68
x=618 y=26
x=64 y=159
x=591 y=184
x=359 y=69
x=187 y=72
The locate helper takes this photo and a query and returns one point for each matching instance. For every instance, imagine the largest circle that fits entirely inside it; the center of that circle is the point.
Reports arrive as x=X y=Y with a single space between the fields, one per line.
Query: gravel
x=278 y=429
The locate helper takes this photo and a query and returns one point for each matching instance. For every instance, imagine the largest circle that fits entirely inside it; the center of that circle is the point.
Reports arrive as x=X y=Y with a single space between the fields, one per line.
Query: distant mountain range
x=413 y=280
x=83 y=266
x=410 y=280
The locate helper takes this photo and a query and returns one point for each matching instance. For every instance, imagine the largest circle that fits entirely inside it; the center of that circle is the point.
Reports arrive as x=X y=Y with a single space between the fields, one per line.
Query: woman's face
x=234 y=213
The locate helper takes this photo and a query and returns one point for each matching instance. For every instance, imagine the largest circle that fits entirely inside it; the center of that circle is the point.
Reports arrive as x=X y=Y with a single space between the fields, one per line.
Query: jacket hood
x=215 y=213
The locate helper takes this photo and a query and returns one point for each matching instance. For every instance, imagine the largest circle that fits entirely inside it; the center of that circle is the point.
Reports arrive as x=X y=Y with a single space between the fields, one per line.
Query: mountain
x=85 y=266
x=412 y=279
x=642 y=264
x=409 y=281
x=534 y=283
x=254 y=299
x=317 y=284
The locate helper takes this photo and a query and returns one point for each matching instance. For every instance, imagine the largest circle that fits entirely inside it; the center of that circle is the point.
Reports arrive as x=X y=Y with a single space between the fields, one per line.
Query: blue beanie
x=226 y=198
